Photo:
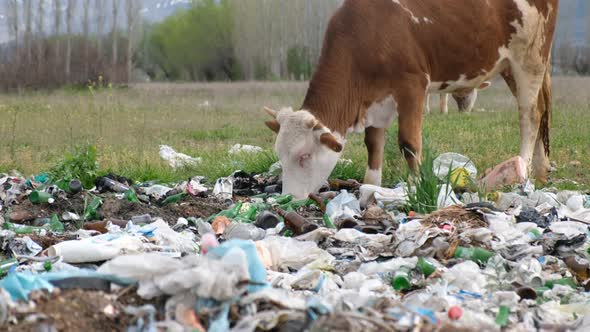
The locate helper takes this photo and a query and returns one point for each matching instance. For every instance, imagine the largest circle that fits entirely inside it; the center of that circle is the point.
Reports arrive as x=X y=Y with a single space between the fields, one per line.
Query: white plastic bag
x=176 y=159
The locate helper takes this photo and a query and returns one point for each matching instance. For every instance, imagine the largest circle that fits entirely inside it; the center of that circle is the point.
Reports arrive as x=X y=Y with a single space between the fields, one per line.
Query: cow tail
x=545 y=108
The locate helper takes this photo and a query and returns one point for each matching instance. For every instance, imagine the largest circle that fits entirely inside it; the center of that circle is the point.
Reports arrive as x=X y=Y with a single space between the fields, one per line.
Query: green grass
x=128 y=125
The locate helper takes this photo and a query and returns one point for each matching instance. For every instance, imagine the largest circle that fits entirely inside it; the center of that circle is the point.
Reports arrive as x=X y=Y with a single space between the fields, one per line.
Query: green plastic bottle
x=90 y=213
x=328 y=223
x=502 y=316
x=281 y=199
x=249 y=215
x=47 y=266
x=230 y=213
x=477 y=255
x=55 y=225
x=131 y=196
x=173 y=199
x=38 y=197
x=425 y=267
x=563 y=281
x=401 y=279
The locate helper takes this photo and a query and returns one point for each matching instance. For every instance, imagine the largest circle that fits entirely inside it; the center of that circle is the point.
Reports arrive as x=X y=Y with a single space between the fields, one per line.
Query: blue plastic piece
x=255 y=266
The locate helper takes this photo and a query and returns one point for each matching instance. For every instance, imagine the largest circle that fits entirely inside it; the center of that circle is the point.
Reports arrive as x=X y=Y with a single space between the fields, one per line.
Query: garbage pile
x=239 y=256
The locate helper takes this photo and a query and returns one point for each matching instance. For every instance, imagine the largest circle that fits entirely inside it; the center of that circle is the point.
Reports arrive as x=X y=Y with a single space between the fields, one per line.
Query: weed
x=423 y=187
x=80 y=165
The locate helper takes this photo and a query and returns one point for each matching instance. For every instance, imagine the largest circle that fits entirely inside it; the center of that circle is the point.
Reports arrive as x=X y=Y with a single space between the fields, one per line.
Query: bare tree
x=132 y=12
x=40 y=34
x=100 y=18
x=12 y=11
x=86 y=32
x=57 y=30
x=28 y=28
x=69 y=16
x=114 y=35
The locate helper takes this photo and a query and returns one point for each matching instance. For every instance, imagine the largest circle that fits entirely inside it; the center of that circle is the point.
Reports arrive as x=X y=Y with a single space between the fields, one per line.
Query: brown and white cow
x=465 y=100
x=382 y=56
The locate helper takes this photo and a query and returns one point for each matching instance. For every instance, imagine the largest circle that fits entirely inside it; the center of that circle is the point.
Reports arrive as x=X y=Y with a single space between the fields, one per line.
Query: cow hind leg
x=375 y=142
x=444 y=103
x=527 y=84
x=541 y=166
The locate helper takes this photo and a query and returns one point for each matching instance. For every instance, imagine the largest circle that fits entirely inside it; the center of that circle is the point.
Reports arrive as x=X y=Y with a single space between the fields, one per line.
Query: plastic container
x=75 y=186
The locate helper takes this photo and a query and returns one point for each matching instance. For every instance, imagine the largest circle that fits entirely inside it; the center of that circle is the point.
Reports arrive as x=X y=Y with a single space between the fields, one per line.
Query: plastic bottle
x=478 y=255
x=280 y=200
x=173 y=199
x=502 y=316
x=267 y=220
x=401 y=279
x=425 y=267
x=55 y=225
x=38 y=197
x=142 y=219
x=229 y=213
x=563 y=281
x=328 y=223
x=114 y=185
x=296 y=223
x=131 y=196
x=91 y=210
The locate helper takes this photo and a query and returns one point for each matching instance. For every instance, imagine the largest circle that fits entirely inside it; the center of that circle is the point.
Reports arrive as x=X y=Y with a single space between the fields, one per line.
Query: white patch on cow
x=379 y=115
x=306 y=162
x=407 y=10
x=427 y=20
x=373 y=176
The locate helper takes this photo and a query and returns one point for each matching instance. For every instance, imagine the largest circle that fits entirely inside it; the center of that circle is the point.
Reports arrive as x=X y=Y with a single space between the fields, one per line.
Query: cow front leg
x=375 y=142
x=410 y=125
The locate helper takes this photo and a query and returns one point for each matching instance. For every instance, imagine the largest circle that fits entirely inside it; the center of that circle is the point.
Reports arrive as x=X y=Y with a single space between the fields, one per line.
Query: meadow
x=127 y=125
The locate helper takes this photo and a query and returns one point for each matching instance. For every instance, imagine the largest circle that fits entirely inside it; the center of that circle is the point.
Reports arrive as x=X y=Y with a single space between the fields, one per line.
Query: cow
x=383 y=56
x=465 y=101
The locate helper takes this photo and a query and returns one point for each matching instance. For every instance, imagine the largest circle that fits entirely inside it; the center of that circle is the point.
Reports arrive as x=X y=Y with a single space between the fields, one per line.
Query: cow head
x=466 y=99
x=307 y=150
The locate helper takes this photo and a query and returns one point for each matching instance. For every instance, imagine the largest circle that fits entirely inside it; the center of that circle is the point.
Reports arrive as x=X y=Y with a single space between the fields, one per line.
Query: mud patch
x=72 y=310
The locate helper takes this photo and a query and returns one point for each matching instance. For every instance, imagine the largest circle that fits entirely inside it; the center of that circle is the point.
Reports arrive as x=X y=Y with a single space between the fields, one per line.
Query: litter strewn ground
x=240 y=256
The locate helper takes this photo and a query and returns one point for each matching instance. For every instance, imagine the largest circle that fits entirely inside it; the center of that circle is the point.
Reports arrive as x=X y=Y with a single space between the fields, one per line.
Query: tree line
x=38 y=58
x=212 y=40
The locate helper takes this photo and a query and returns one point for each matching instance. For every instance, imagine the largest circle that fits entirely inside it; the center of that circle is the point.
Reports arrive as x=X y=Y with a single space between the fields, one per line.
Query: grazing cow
x=465 y=101
x=382 y=56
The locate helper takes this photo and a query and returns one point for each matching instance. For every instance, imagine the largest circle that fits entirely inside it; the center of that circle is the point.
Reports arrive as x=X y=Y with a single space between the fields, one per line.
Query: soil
x=73 y=310
x=189 y=207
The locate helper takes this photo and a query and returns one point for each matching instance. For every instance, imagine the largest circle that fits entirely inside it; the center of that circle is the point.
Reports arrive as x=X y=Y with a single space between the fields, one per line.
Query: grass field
x=128 y=125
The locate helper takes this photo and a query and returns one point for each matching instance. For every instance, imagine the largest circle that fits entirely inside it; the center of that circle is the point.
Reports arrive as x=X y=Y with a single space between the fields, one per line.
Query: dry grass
x=128 y=125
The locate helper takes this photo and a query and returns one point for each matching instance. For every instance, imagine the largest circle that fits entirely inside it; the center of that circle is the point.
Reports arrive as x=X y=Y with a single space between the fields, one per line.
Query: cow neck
x=335 y=103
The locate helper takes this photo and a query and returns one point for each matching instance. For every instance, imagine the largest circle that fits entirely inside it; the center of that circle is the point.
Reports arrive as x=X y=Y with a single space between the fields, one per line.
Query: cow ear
x=485 y=85
x=330 y=141
x=273 y=125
